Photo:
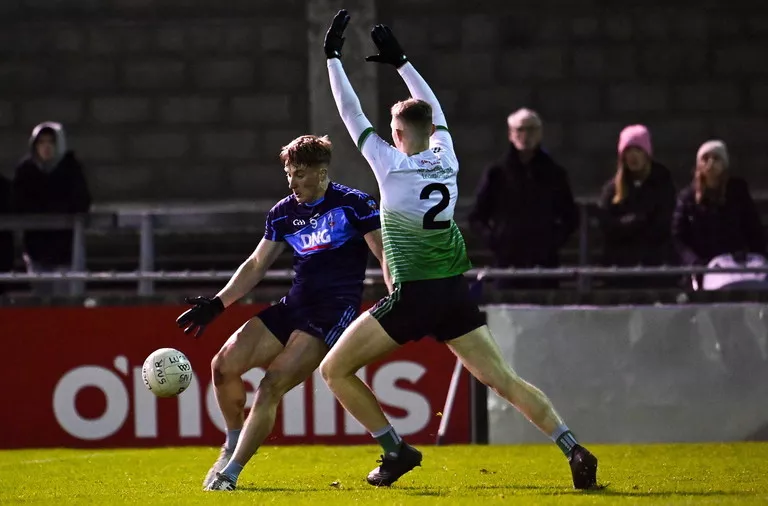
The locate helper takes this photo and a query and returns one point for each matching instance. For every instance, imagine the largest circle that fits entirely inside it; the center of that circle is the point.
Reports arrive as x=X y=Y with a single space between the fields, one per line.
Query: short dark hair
x=414 y=112
x=307 y=151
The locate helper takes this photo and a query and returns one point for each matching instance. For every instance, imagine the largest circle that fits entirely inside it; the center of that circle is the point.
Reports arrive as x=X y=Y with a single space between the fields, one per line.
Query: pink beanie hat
x=637 y=136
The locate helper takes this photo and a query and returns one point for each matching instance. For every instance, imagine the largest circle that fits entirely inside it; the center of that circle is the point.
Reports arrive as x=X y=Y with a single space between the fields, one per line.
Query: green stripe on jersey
x=414 y=253
x=363 y=136
x=441 y=127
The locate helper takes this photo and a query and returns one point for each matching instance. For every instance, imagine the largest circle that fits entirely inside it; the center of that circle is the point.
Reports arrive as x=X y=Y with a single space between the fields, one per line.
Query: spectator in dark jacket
x=636 y=208
x=6 y=237
x=715 y=214
x=49 y=180
x=524 y=208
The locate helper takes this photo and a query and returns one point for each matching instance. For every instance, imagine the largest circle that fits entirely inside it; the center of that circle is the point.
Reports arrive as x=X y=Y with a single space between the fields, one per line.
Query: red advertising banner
x=71 y=377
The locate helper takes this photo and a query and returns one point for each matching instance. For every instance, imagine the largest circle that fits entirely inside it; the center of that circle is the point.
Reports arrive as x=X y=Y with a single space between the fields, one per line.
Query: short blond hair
x=415 y=112
x=307 y=151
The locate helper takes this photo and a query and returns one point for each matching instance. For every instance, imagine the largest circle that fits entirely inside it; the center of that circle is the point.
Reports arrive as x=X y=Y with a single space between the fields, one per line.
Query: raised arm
x=392 y=53
x=346 y=99
x=419 y=88
x=347 y=103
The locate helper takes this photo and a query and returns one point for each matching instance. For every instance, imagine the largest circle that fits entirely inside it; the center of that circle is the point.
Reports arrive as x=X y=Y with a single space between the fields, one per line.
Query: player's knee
x=328 y=370
x=223 y=366
x=273 y=387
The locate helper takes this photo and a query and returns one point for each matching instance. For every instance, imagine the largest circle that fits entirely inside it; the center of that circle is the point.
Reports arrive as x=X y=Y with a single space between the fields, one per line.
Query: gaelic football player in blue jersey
x=330 y=228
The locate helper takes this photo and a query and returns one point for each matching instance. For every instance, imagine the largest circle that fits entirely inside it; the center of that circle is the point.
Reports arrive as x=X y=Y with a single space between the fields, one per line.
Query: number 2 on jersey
x=429 y=217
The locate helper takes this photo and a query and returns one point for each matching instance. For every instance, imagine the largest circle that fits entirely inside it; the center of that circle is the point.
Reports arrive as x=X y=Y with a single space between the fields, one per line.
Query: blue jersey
x=330 y=254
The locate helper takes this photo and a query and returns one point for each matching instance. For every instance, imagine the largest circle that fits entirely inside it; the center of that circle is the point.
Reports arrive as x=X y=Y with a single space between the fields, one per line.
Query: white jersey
x=418 y=199
x=418 y=192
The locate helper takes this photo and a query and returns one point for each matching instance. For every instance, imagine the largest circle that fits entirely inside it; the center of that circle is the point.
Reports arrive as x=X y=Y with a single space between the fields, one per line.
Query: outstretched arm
x=347 y=103
x=392 y=53
x=419 y=89
x=250 y=272
x=206 y=309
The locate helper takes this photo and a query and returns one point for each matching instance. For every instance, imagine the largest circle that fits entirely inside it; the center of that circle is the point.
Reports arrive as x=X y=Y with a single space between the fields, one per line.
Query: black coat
x=525 y=212
x=63 y=190
x=636 y=231
x=6 y=237
x=703 y=231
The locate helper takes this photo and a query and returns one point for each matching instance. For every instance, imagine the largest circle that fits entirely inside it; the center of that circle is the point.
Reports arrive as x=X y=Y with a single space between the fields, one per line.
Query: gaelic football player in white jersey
x=426 y=256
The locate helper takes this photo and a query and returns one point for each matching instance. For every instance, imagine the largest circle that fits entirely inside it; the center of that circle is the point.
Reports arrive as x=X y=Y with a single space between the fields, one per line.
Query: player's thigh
x=481 y=355
x=295 y=363
x=252 y=345
x=363 y=342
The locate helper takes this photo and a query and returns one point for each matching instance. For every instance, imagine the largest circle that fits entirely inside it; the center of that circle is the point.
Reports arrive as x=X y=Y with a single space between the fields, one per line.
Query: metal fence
x=149 y=223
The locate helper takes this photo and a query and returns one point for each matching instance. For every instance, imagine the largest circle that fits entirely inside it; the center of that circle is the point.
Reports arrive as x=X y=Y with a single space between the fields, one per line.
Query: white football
x=167 y=372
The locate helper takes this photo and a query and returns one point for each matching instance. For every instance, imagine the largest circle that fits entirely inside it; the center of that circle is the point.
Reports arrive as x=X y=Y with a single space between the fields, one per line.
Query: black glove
x=205 y=311
x=334 y=37
x=389 y=49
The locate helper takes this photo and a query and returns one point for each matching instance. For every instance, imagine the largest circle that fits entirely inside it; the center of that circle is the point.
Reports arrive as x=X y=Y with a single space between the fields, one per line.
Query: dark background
x=190 y=100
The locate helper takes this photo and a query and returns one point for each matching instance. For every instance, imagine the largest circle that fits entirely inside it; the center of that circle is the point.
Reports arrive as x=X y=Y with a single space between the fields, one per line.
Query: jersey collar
x=318 y=201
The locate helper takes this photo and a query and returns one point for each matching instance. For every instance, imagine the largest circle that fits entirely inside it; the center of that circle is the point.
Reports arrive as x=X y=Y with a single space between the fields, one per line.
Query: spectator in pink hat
x=636 y=208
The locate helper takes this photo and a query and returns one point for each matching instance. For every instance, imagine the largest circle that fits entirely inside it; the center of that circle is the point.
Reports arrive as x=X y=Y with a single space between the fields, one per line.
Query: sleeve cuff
x=405 y=68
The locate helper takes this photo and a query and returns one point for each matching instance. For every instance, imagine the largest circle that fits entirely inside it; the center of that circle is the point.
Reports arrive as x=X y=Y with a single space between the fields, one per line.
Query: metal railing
x=148 y=223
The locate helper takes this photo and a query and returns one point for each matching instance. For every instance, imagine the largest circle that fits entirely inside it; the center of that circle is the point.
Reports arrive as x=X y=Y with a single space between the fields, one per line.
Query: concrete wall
x=192 y=99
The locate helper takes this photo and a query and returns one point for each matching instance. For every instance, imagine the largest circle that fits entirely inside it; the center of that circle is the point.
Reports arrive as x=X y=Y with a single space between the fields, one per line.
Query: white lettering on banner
x=66 y=391
x=144 y=407
x=294 y=405
x=294 y=414
x=414 y=404
x=315 y=239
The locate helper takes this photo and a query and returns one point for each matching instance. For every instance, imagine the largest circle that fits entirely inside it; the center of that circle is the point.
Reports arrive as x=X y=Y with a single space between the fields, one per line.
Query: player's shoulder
x=283 y=206
x=349 y=194
x=354 y=198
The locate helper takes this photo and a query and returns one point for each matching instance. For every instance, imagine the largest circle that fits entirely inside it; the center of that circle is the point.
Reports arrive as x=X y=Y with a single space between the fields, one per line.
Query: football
x=167 y=372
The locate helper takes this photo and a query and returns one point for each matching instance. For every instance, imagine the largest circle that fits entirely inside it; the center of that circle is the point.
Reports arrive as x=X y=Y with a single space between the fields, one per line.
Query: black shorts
x=441 y=308
x=325 y=322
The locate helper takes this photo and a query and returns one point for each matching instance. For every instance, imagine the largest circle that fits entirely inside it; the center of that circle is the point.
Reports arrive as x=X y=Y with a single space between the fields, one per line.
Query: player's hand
x=195 y=319
x=334 y=37
x=389 y=48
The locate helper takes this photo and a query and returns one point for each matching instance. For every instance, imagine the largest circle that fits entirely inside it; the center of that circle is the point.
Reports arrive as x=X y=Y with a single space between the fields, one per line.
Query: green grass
x=636 y=474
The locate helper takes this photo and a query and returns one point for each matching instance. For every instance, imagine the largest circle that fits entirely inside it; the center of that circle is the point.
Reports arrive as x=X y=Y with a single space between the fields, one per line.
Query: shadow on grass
x=553 y=491
x=427 y=491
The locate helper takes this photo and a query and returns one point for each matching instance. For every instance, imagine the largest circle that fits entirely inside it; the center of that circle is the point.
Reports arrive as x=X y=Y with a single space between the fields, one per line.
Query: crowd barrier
x=684 y=373
x=72 y=378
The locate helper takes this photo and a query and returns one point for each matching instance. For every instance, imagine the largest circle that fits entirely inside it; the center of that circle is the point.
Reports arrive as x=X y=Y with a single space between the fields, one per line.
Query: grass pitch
x=636 y=474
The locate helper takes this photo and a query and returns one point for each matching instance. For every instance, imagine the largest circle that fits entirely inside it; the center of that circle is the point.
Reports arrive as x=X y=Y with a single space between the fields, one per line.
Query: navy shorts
x=442 y=308
x=325 y=322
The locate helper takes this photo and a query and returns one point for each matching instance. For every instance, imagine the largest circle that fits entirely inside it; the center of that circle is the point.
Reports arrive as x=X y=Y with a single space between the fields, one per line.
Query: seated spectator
x=524 y=208
x=715 y=215
x=6 y=237
x=49 y=180
x=635 y=211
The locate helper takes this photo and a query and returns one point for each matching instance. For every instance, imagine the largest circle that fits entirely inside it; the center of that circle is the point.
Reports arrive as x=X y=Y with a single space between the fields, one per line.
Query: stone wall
x=192 y=99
